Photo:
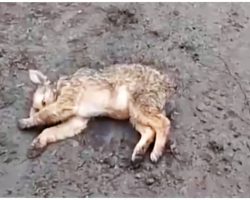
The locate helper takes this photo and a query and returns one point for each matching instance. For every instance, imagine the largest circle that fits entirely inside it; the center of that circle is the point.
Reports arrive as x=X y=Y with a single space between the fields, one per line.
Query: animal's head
x=45 y=93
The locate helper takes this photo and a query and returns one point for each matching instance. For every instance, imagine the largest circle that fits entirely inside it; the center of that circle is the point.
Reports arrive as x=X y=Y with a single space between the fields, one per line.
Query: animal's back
x=134 y=75
x=141 y=80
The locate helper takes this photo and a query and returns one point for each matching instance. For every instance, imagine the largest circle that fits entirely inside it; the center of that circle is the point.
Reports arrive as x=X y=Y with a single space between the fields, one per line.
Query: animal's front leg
x=49 y=115
x=56 y=133
x=32 y=111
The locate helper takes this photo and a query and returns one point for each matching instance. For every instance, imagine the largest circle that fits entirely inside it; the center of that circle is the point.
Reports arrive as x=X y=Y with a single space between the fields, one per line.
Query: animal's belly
x=119 y=106
x=119 y=114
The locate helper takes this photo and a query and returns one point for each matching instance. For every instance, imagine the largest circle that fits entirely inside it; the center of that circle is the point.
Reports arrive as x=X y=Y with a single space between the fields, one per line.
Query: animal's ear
x=37 y=77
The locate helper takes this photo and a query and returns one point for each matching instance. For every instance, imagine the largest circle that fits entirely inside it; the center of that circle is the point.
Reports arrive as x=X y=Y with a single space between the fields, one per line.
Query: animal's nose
x=36 y=110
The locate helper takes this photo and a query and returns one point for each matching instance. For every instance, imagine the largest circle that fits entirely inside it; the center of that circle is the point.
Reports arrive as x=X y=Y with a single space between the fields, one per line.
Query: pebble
x=9 y=192
x=183 y=190
x=200 y=107
x=218 y=173
x=239 y=188
x=149 y=181
x=206 y=156
x=191 y=98
x=211 y=96
x=219 y=107
x=176 y=12
x=228 y=157
x=208 y=128
x=237 y=134
x=203 y=119
x=138 y=176
x=227 y=168
x=110 y=161
x=148 y=167
x=232 y=126
x=74 y=143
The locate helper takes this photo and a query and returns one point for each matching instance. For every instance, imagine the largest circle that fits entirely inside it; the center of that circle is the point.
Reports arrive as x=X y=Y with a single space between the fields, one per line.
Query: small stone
x=206 y=156
x=109 y=161
x=218 y=173
x=74 y=143
x=173 y=147
x=203 y=119
x=240 y=162
x=220 y=108
x=9 y=192
x=232 y=126
x=239 y=188
x=138 y=176
x=227 y=168
x=13 y=152
x=200 y=107
x=193 y=136
x=149 y=181
x=148 y=167
x=208 y=128
x=176 y=12
x=79 y=11
x=228 y=157
x=3 y=152
x=195 y=58
x=211 y=96
x=177 y=126
x=236 y=135
x=217 y=115
x=207 y=102
x=183 y=190
x=191 y=98
x=231 y=113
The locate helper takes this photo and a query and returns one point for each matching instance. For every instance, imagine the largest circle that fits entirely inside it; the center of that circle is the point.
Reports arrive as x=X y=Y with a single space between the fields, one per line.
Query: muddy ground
x=205 y=46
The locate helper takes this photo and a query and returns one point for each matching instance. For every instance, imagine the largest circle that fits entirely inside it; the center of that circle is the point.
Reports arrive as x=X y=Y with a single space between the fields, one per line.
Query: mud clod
x=33 y=153
x=215 y=146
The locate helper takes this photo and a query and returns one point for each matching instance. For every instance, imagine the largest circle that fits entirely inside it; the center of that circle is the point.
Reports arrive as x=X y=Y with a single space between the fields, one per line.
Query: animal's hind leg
x=147 y=137
x=56 y=133
x=162 y=128
x=150 y=116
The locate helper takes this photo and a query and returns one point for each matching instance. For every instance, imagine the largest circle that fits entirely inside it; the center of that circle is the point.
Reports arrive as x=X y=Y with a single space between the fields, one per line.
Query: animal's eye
x=43 y=103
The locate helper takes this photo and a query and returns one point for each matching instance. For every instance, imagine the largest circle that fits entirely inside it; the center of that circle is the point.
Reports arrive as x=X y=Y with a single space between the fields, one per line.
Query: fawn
x=122 y=91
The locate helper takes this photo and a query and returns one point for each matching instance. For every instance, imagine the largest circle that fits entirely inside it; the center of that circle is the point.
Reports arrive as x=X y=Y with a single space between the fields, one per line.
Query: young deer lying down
x=135 y=92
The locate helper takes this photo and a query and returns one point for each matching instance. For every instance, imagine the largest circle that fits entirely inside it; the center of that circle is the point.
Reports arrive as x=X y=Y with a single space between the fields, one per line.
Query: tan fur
x=135 y=92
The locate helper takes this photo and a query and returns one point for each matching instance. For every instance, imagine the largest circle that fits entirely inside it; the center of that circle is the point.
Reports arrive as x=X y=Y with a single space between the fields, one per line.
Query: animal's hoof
x=138 y=154
x=34 y=152
x=137 y=158
x=154 y=156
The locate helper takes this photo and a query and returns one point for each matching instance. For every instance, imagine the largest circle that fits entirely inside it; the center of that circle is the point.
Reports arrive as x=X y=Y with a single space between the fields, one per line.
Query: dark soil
x=206 y=47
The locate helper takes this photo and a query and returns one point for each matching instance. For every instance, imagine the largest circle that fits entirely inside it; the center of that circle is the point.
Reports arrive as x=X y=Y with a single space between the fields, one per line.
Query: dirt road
x=206 y=46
